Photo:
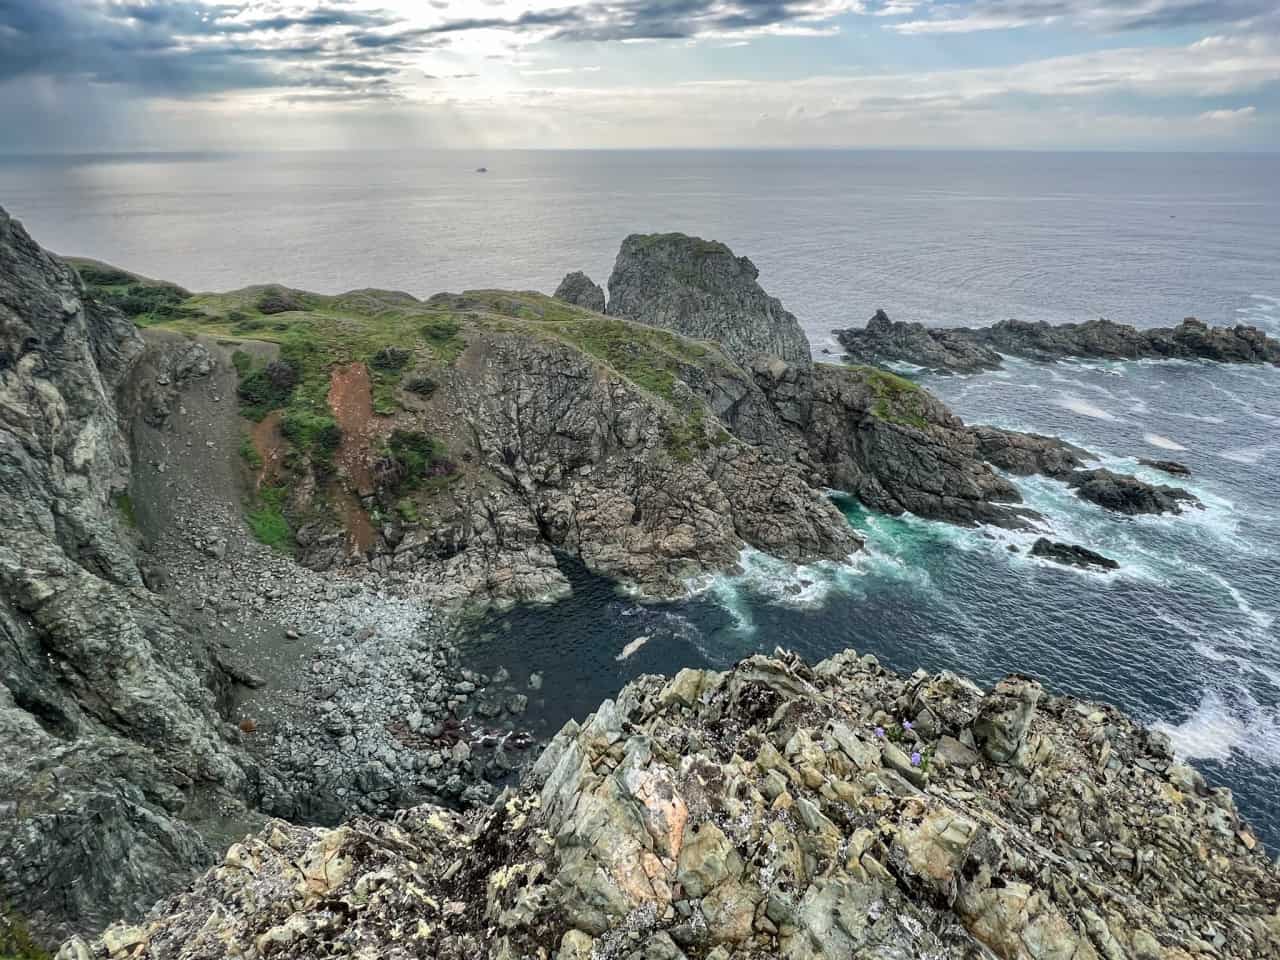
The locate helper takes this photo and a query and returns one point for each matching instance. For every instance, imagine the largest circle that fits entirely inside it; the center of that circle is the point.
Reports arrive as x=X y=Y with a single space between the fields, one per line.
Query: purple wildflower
x=915 y=759
x=906 y=724
x=880 y=732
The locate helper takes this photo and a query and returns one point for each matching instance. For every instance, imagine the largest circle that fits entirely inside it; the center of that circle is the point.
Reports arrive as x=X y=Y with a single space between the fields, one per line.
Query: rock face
x=1071 y=555
x=939 y=349
x=774 y=810
x=699 y=289
x=1129 y=495
x=970 y=350
x=109 y=738
x=579 y=289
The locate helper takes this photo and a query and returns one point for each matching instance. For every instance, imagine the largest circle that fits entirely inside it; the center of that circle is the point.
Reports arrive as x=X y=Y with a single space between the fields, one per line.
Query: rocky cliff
x=111 y=746
x=971 y=350
x=774 y=810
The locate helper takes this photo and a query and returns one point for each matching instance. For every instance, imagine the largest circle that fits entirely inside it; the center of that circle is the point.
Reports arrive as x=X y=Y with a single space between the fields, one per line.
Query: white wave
x=1263 y=621
x=1226 y=723
x=1085 y=408
x=632 y=647
x=1248 y=455
x=1164 y=443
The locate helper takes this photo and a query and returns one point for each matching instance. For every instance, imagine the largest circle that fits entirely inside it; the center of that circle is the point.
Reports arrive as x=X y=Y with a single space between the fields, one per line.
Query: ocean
x=1184 y=636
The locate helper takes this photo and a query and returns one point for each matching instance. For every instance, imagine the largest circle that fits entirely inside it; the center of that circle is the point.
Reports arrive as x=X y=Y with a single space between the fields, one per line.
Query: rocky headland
x=974 y=349
x=238 y=528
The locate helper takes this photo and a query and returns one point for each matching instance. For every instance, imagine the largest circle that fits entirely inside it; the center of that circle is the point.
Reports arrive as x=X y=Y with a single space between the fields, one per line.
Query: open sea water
x=1184 y=636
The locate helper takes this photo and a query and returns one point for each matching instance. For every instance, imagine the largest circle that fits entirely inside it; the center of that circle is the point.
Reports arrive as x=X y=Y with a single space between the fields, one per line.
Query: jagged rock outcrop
x=580 y=290
x=110 y=741
x=1071 y=555
x=1124 y=494
x=898 y=448
x=773 y=810
x=973 y=349
x=699 y=289
x=644 y=490
x=934 y=348
x=1025 y=454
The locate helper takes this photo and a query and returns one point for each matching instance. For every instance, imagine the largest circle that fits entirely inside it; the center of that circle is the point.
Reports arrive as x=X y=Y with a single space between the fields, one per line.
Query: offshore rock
x=1124 y=494
x=699 y=289
x=1071 y=555
x=934 y=348
x=1171 y=467
x=579 y=289
x=974 y=349
x=756 y=813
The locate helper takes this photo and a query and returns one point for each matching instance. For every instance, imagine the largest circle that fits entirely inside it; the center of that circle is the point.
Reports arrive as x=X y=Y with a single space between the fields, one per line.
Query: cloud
x=1101 y=15
x=1241 y=115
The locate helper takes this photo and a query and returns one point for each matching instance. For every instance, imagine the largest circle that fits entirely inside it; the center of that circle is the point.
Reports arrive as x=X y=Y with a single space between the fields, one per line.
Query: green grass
x=267 y=520
x=650 y=358
x=146 y=302
x=242 y=362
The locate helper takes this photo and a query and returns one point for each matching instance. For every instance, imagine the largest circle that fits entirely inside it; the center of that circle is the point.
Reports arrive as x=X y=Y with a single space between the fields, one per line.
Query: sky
x=114 y=75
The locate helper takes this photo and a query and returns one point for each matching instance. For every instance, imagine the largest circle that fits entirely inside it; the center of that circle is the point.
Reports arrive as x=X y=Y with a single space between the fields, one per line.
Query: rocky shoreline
x=966 y=350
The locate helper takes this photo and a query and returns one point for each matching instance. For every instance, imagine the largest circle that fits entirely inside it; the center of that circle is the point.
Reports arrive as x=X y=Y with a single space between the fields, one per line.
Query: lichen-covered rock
x=580 y=290
x=750 y=814
x=699 y=289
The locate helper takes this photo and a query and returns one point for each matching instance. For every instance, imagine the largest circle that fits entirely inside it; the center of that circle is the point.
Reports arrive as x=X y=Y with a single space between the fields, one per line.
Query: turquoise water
x=1184 y=636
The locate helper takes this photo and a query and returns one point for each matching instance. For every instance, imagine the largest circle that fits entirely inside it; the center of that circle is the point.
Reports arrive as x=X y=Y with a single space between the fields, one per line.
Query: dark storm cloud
x=184 y=49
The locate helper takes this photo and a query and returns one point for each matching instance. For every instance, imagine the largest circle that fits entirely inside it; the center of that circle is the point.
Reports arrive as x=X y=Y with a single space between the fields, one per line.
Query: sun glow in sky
x=89 y=75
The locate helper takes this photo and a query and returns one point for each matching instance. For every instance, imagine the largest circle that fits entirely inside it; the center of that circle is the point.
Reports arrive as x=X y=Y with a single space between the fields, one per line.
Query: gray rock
x=579 y=289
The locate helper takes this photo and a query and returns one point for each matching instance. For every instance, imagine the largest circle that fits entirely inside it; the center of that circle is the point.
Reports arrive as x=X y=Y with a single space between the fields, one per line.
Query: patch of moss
x=408 y=510
x=412 y=460
x=124 y=506
x=249 y=454
x=242 y=362
x=267 y=520
x=16 y=942
x=897 y=400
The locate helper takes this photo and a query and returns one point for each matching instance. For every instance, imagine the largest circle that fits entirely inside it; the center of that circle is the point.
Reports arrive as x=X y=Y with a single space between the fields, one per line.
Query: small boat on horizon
x=482 y=169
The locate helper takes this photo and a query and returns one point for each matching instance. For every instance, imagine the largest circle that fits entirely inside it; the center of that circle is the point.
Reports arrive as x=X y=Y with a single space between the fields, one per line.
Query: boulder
x=1004 y=717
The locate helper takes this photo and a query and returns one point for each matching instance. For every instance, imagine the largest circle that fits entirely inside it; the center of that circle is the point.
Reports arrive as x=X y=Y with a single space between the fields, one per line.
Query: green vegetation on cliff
x=16 y=942
x=897 y=399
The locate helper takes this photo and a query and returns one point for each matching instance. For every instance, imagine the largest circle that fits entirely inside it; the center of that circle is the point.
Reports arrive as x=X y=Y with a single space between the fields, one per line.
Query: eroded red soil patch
x=268 y=442
x=351 y=399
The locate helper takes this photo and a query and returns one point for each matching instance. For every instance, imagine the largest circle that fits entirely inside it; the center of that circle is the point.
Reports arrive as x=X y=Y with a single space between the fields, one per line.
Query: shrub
x=279 y=300
x=96 y=276
x=390 y=359
x=423 y=386
x=412 y=458
x=440 y=330
x=267 y=389
x=314 y=432
x=242 y=362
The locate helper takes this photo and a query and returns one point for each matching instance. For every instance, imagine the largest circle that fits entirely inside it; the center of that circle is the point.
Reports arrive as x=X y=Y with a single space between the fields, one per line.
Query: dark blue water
x=1184 y=635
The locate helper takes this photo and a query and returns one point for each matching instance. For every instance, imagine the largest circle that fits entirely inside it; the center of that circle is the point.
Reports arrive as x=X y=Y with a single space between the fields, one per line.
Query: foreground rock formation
x=971 y=350
x=115 y=770
x=775 y=810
